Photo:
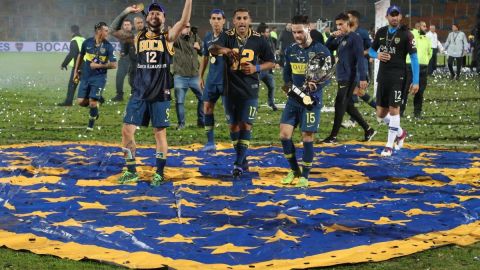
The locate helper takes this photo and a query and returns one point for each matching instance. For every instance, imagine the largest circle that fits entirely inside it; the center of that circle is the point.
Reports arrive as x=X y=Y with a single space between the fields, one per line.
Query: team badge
x=397 y=40
x=311 y=55
x=344 y=43
x=102 y=50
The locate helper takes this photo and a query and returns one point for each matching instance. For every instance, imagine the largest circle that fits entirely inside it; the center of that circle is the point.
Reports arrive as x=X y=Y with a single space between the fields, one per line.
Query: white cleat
x=387 y=152
x=399 y=140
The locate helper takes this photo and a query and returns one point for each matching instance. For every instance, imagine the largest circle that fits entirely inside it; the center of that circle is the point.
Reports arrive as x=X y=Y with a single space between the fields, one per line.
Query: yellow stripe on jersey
x=298 y=68
x=91 y=56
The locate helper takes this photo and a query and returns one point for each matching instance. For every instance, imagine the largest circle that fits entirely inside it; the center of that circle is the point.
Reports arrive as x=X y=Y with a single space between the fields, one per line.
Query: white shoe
x=349 y=124
x=387 y=152
x=399 y=140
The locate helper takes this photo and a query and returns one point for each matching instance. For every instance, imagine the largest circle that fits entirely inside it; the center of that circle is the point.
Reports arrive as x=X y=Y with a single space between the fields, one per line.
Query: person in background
x=424 y=52
x=266 y=76
x=70 y=60
x=185 y=71
x=124 y=61
x=456 y=48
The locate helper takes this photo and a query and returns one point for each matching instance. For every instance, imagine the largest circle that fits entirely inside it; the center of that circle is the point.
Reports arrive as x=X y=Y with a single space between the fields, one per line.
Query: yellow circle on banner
x=307 y=100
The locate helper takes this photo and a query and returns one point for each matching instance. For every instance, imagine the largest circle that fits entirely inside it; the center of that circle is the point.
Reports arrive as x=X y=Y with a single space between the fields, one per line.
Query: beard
x=155 y=26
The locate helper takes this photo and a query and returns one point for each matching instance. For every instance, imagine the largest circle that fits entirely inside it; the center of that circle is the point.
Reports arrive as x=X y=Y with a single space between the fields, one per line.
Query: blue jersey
x=350 y=56
x=152 y=78
x=100 y=54
x=253 y=49
x=367 y=42
x=216 y=69
x=296 y=59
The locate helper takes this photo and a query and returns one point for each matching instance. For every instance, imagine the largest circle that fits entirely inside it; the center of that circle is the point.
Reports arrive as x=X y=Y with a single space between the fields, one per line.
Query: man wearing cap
x=98 y=55
x=150 y=101
x=243 y=49
x=391 y=45
x=213 y=87
x=70 y=60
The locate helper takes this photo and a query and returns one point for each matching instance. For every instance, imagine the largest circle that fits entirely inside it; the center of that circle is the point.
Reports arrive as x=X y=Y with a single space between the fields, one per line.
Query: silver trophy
x=318 y=71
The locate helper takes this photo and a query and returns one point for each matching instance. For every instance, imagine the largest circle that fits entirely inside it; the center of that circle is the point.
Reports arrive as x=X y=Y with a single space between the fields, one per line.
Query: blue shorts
x=140 y=112
x=212 y=92
x=295 y=114
x=91 y=88
x=240 y=110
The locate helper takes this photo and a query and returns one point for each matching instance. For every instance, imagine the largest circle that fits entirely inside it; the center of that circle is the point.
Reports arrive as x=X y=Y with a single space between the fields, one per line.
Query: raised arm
x=116 y=25
x=174 y=33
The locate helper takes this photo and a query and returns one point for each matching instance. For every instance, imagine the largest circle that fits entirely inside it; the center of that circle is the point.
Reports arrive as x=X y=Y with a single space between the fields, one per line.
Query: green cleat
x=157 y=180
x=290 y=177
x=302 y=182
x=128 y=177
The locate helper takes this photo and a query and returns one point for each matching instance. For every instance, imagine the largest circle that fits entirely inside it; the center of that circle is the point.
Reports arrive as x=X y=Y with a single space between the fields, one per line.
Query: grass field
x=31 y=84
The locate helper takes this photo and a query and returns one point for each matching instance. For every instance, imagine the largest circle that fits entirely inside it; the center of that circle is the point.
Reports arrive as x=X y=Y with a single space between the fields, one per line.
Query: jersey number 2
x=247 y=56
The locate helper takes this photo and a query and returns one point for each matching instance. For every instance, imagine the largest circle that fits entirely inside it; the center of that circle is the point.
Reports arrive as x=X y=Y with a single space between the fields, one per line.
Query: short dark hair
x=342 y=16
x=300 y=19
x=241 y=10
x=128 y=20
x=355 y=14
x=262 y=28
x=75 y=29
x=100 y=25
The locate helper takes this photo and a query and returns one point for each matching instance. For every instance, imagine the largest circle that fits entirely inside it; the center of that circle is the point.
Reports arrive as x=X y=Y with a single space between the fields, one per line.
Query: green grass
x=30 y=85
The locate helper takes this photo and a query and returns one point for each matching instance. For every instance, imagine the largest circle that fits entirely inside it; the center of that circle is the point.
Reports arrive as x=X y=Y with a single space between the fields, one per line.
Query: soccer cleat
x=369 y=134
x=302 y=182
x=157 y=180
x=237 y=171
x=128 y=177
x=348 y=124
x=387 y=152
x=180 y=126
x=89 y=129
x=209 y=147
x=101 y=100
x=399 y=140
x=330 y=140
x=290 y=177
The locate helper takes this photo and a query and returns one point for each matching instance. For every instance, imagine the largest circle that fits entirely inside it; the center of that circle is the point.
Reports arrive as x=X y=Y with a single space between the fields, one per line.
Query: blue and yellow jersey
x=102 y=54
x=215 y=71
x=253 y=49
x=154 y=56
x=296 y=60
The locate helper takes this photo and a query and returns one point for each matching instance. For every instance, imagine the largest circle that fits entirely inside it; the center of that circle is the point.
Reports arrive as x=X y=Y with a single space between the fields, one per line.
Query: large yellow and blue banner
x=63 y=199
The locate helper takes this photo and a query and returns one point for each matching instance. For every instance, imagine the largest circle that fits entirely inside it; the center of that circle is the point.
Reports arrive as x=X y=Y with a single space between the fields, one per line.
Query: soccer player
x=151 y=95
x=98 y=55
x=295 y=114
x=243 y=49
x=349 y=47
x=213 y=88
x=393 y=42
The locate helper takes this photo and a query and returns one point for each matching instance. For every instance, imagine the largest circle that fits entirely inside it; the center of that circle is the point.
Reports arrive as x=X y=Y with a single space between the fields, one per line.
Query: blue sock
x=307 y=158
x=131 y=166
x=93 y=116
x=289 y=153
x=209 y=125
x=161 y=161
x=242 y=146
x=369 y=100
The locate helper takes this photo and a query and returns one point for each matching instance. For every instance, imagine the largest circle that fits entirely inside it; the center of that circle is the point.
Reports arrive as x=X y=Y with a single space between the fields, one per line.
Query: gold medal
x=307 y=100
x=213 y=59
